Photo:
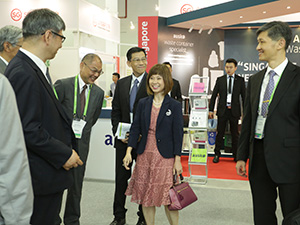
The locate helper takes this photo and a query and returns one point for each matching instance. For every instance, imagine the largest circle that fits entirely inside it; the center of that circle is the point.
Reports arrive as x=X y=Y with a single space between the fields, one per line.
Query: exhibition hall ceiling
x=235 y=12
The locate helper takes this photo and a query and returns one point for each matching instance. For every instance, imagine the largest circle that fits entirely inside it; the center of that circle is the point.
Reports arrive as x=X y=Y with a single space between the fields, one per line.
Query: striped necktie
x=268 y=93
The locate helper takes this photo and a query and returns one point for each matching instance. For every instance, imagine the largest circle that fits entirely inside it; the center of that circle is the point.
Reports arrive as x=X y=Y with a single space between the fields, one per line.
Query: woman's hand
x=127 y=159
x=177 y=168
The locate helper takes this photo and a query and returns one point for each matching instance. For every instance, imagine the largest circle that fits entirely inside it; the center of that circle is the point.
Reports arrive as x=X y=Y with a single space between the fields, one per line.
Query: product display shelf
x=197 y=129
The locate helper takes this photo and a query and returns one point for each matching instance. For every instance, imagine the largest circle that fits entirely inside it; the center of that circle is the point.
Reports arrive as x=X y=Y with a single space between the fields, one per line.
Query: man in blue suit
x=46 y=129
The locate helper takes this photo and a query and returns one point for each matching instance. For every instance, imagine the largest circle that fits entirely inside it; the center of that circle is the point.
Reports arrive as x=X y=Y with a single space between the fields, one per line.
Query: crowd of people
x=45 y=148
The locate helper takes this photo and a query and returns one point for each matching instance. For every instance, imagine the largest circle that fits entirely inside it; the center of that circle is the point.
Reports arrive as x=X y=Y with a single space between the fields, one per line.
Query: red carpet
x=225 y=169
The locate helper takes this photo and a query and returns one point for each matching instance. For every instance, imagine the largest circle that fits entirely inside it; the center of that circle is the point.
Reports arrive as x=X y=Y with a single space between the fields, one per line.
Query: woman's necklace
x=157 y=103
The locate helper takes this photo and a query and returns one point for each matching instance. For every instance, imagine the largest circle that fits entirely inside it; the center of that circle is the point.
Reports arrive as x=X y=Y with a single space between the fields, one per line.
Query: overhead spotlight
x=210 y=30
x=156 y=7
x=131 y=25
x=200 y=31
x=288 y=7
x=192 y=27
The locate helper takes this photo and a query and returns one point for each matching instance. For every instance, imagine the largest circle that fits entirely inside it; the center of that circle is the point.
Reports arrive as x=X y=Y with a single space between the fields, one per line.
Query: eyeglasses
x=63 y=38
x=18 y=45
x=139 y=60
x=100 y=72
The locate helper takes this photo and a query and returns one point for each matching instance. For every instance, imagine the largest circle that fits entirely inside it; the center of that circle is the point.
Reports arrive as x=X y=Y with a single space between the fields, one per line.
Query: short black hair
x=134 y=50
x=167 y=63
x=231 y=60
x=116 y=74
x=277 y=30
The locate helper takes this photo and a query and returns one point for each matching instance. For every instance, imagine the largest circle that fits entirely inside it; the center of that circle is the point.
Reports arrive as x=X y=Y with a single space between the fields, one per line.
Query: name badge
x=77 y=126
x=228 y=98
x=259 y=128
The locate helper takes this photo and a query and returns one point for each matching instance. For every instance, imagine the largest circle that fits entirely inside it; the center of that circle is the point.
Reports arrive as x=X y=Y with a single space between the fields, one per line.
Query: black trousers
x=46 y=209
x=121 y=182
x=74 y=193
x=233 y=121
x=265 y=191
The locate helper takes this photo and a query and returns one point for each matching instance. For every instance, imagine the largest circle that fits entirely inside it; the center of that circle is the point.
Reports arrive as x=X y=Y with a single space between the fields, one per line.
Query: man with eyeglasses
x=47 y=131
x=10 y=42
x=82 y=101
x=128 y=92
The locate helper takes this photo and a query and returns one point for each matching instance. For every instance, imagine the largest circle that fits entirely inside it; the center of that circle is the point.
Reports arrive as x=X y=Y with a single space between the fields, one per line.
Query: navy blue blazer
x=169 y=127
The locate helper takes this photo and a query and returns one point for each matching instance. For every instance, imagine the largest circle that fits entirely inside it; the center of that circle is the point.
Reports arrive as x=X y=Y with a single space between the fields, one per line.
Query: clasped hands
x=73 y=161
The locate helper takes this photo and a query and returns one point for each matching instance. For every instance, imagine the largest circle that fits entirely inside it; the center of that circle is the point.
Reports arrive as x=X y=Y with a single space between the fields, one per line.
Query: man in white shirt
x=270 y=135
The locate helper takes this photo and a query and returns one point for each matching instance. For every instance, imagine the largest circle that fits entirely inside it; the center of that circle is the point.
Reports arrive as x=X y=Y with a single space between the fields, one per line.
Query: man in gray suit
x=16 y=200
x=82 y=102
x=11 y=40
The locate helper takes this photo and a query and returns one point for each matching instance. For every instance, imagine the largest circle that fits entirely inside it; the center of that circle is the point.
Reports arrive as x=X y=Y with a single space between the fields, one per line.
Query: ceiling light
x=192 y=27
x=200 y=31
x=241 y=17
x=210 y=30
x=288 y=7
x=221 y=21
x=131 y=25
x=249 y=27
x=264 y=12
x=156 y=7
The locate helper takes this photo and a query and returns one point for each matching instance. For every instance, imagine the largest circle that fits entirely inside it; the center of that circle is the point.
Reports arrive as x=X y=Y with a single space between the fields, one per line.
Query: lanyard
x=272 y=95
x=55 y=92
x=75 y=99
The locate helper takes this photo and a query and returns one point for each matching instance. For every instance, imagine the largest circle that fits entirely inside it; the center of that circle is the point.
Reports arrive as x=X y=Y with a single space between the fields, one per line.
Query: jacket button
x=158 y=140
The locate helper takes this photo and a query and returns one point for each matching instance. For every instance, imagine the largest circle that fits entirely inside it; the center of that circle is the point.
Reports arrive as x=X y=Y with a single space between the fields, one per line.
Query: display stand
x=198 y=125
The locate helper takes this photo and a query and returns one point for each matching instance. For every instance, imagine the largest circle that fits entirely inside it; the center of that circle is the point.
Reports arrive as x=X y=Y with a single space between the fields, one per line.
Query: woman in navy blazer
x=156 y=135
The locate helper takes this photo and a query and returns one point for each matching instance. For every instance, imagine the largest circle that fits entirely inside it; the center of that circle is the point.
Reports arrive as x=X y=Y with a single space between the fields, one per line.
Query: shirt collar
x=230 y=76
x=279 y=69
x=139 y=78
x=36 y=60
x=81 y=83
x=6 y=63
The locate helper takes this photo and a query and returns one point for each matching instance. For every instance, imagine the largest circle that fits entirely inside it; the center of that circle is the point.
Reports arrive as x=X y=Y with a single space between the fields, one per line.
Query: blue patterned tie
x=133 y=94
x=268 y=93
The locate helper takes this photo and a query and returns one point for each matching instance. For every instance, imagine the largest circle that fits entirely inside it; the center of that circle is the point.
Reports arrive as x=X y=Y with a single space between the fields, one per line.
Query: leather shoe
x=118 y=222
x=141 y=221
x=216 y=159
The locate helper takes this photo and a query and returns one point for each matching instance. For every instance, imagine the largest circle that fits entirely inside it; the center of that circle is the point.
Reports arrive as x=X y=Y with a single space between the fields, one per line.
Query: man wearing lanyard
x=270 y=135
x=230 y=89
x=129 y=91
x=82 y=101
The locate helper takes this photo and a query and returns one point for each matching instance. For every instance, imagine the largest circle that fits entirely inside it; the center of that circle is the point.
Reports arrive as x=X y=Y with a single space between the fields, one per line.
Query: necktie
x=230 y=84
x=268 y=93
x=48 y=76
x=82 y=99
x=133 y=94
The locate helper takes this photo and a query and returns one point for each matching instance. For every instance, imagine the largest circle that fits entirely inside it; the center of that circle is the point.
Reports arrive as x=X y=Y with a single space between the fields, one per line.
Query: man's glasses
x=100 y=72
x=139 y=60
x=63 y=38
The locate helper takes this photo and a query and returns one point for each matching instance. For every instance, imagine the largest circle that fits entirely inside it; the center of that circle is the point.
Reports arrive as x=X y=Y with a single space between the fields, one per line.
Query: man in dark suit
x=123 y=108
x=46 y=128
x=230 y=88
x=176 y=90
x=10 y=42
x=270 y=135
x=87 y=108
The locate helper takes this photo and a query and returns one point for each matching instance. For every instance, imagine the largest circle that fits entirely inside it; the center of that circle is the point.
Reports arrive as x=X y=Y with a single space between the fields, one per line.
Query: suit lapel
x=284 y=83
x=141 y=87
x=127 y=85
x=256 y=91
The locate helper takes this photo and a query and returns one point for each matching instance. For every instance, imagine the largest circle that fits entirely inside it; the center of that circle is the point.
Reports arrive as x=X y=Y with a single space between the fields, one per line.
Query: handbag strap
x=175 y=178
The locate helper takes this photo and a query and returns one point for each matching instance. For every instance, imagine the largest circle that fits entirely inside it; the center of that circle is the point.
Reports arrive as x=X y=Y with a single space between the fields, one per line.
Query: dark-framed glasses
x=144 y=59
x=63 y=38
x=100 y=72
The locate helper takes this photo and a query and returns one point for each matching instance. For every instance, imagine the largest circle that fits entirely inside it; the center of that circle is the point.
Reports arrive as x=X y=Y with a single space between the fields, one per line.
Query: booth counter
x=101 y=159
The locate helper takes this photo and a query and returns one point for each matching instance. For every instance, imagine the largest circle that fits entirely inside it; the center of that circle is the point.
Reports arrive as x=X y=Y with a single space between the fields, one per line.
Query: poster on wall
x=190 y=53
x=241 y=45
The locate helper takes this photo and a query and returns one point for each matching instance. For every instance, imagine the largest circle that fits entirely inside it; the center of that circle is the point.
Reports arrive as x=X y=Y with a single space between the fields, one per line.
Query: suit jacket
x=2 y=66
x=169 y=127
x=221 y=90
x=282 y=127
x=120 y=104
x=46 y=129
x=176 y=91
x=15 y=180
x=65 y=92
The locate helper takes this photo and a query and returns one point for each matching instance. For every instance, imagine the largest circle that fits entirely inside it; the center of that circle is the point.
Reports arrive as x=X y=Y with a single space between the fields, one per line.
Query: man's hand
x=210 y=115
x=125 y=141
x=73 y=161
x=241 y=168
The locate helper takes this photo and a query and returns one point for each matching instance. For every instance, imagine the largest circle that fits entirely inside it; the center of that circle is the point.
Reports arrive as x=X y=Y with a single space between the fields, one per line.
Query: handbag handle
x=175 y=178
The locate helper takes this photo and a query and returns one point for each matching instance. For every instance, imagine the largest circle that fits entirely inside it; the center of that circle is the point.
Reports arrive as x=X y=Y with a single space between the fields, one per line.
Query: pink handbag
x=181 y=195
